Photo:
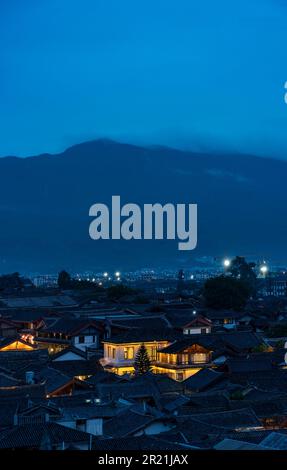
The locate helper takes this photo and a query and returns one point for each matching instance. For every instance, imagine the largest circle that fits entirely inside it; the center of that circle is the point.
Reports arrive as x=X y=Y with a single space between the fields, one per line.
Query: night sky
x=204 y=75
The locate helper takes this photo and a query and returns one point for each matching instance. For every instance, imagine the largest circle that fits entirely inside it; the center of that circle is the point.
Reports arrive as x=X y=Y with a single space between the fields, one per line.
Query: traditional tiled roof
x=54 y=379
x=156 y=443
x=7 y=381
x=141 y=335
x=32 y=436
x=4 y=342
x=275 y=441
x=274 y=380
x=8 y=408
x=25 y=391
x=26 y=315
x=236 y=341
x=76 y=368
x=69 y=326
x=222 y=314
x=199 y=320
x=153 y=322
x=250 y=363
x=206 y=341
x=229 y=419
x=231 y=444
x=203 y=379
x=203 y=402
x=72 y=349
x=126 y=424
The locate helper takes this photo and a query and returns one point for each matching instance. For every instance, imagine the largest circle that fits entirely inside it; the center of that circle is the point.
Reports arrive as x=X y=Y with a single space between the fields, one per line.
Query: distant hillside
x=44 y=204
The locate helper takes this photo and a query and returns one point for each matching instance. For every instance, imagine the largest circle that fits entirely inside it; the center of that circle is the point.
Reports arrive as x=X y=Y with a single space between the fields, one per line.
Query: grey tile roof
x=143 y=334
x=229 y=419
x=25 y=391
x=32 y=436
x=153 y=322
x=126 y=423
x=272 y=381
x=69 y=325
x=53 y=379
x=203 y=379
x=144 y=443
x=275 y=440
x=76 y=368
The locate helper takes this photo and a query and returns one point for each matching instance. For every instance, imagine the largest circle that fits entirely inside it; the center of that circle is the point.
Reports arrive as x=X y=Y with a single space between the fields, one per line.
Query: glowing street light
x=106 y=274
x=264 y=269
x=117 y=274
x=226 y=263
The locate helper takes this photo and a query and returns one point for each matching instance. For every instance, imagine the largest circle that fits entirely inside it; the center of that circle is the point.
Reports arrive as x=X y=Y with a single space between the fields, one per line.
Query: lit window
x=152 y=352
x=129 y=353
x=200 y=357
x=184 y=359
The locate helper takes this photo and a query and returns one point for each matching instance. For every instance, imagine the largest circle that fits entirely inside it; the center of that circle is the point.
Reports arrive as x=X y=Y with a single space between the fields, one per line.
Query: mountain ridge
x=45 y=200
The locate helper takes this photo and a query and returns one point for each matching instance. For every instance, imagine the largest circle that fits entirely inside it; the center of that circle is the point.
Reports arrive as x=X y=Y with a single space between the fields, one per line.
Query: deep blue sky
x=203 y=74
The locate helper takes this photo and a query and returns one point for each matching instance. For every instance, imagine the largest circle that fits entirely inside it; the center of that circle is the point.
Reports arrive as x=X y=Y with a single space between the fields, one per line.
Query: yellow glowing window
x=199 y=357
x=184 y=359
x=129 y=353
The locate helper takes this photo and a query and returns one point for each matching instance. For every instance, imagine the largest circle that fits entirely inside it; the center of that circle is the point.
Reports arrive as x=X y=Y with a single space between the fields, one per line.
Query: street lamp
x=226 y=263
x=264 y=269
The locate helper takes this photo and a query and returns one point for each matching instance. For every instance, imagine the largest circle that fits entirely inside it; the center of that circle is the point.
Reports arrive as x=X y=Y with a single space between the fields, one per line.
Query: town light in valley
x=226 y=263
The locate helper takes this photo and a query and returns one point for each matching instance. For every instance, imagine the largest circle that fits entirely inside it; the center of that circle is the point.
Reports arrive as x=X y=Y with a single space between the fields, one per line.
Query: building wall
x=196 y=331
x=155 y=428
x=122 y=355
x=92 y=426
x=176 y=374
x=89 y=340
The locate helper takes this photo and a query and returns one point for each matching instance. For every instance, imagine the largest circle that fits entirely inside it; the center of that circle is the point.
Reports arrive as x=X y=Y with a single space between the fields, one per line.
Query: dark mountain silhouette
x=45 y=200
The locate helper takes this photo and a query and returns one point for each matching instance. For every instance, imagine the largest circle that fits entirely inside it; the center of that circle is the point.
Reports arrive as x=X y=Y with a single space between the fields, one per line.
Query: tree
x=64 y=280
x=225 y=292
x=240 y=269
x=118 y=291
x=142 y=363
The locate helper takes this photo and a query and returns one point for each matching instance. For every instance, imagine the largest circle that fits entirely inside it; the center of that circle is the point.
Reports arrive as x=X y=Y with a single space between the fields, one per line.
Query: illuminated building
x=178 y=359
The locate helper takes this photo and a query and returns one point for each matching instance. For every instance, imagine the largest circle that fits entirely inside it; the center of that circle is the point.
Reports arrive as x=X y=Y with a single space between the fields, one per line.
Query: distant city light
x=226 y=263
x=194 y=312
x=100 y=283
x=117 y=274
x=264 y=269
x=106 y=274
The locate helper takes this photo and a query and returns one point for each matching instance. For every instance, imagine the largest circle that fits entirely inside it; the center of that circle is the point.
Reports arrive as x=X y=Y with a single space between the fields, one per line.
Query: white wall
x=89 y=341
x=69 y=356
